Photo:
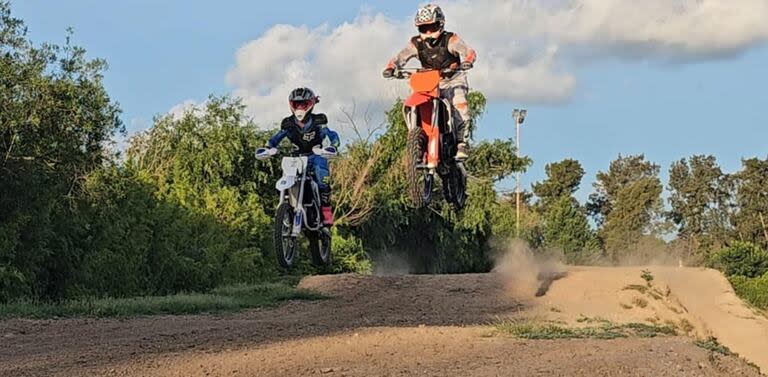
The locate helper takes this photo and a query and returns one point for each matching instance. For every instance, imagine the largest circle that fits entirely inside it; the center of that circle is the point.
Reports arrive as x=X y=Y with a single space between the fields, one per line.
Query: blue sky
x=162 y=53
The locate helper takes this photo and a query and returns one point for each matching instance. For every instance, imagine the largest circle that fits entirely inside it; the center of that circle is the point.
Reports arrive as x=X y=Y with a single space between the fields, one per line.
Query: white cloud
x=178 y=111
x=523 y=48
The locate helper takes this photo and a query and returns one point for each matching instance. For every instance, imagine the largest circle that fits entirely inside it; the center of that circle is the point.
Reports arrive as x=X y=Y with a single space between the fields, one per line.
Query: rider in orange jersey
x=440 y=49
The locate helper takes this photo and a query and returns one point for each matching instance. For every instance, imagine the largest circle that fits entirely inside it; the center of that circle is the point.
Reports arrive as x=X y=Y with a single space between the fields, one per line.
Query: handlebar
x=264 y=153
x=406 y=73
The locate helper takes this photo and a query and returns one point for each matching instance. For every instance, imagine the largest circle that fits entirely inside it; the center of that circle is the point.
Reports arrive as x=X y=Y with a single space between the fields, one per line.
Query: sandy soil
x=408 y=325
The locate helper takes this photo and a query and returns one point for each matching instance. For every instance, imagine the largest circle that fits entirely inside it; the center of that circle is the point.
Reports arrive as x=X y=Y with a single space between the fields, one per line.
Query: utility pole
x=519 y=116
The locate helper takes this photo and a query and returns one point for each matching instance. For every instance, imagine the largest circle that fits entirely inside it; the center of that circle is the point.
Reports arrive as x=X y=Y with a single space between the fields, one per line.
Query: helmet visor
x=301 y=105
x=429 y=28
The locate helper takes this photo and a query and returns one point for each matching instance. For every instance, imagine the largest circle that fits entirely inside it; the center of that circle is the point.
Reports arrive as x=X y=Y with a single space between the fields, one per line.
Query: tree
x=700 y=196
x=626 y=200
x=56 y=122
x=566 y=228
x=622 y=172
x=563 y=179
x=750 y=220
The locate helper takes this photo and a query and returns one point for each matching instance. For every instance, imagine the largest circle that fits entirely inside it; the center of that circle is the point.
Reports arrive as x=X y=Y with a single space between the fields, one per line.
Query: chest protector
x=435 y=55
x=308 y=137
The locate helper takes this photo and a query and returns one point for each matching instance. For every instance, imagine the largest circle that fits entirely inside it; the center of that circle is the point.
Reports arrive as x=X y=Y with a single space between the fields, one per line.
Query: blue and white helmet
x=430 y=21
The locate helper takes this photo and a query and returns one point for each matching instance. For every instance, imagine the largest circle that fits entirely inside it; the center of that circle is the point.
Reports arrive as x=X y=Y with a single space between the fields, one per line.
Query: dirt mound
x=696 y=301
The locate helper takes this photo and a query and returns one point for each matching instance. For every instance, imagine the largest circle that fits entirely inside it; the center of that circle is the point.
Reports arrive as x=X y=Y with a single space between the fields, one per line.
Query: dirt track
x=384 y=326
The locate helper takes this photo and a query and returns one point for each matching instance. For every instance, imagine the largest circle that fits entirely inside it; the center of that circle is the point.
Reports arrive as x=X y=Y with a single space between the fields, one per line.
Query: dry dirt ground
x=413 y=326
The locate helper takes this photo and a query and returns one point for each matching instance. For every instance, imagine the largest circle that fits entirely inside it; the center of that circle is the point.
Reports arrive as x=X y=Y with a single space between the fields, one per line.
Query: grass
x=220 y=300
x=752 y=290
x=647 y=276
x=713 y=345
x=527 y=329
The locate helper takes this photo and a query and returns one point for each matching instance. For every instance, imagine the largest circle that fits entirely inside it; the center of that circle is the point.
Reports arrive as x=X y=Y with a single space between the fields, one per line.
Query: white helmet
x=430 y=21
x=302 y=101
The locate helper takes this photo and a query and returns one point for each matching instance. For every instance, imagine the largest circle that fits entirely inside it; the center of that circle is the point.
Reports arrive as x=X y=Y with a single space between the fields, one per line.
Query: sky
x=667 y=78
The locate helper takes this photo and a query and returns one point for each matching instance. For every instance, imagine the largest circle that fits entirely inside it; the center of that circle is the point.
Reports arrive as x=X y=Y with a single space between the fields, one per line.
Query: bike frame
x=291 y=187
x=419 y=111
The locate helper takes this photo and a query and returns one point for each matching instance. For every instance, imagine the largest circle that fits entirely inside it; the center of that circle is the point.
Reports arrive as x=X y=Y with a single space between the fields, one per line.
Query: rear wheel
x=455 y=188
x=415 y=178
x=285 y=243
x=460 y=189
x=320 y=248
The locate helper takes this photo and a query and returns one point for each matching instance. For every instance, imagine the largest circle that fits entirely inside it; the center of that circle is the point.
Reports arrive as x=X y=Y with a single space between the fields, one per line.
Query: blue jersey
x=305 y=138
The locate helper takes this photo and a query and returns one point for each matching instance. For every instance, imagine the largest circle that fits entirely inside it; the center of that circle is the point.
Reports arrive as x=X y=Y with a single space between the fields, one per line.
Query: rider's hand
x=466 y=66
x=388 y=73
x=266 y=152
x=331 y=150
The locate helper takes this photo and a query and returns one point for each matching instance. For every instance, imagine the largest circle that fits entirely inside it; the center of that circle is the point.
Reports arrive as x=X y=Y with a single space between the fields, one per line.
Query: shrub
x=741 y=259
x=754 y=290
x=349 y=254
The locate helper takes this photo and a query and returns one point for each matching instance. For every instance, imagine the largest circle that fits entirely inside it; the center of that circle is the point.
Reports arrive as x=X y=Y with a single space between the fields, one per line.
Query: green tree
x=627 y=199
x=565 y=226
x=56 y=124
x=700 y=199
x=563 y=179
x=750 y=220
x=741 y=259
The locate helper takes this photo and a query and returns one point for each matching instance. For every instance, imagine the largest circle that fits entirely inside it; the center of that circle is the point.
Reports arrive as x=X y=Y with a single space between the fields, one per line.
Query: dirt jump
x=444 y=325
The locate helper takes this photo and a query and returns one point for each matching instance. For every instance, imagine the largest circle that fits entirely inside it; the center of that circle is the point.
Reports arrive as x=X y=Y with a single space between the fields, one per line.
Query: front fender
x=285 y=183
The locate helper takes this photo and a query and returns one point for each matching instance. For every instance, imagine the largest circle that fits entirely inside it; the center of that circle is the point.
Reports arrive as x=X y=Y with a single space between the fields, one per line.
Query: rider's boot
x=461 y=144
x=461 y=151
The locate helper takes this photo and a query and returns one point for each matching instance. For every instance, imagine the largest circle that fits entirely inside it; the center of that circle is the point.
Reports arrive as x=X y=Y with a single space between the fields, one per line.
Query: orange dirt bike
x=431 y=144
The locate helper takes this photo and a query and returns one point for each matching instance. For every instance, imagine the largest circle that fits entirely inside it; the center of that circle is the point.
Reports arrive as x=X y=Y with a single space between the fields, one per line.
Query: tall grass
x=224 y=299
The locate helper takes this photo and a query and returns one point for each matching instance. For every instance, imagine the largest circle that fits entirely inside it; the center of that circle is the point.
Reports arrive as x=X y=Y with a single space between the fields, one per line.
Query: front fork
x=300 y=215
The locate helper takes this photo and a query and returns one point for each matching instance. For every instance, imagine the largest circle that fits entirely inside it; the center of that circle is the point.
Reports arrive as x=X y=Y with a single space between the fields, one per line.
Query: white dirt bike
x=299 y=209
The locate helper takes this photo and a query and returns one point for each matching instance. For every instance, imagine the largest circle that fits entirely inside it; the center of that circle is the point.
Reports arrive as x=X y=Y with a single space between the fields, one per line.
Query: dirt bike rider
x=439 y=49
x=306 y=131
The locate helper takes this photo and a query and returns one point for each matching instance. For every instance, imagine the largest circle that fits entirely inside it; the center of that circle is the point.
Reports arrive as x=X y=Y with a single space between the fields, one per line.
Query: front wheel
x=320 y=248
x=413 y=175
x=285 y=242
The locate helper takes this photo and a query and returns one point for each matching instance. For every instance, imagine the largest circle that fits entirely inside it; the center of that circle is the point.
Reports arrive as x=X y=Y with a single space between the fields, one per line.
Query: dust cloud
x=525 y=273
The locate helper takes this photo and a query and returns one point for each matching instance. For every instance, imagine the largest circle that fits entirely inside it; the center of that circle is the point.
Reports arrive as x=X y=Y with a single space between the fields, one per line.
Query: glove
x=325 y=152
x=466 y=66
x=266 y=152
x=388 y=73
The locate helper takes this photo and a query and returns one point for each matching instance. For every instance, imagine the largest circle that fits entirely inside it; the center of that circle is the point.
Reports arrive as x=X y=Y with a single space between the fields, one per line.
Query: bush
x=754 y=290
x=741 y=259
x=12 y=284
x=349 y=254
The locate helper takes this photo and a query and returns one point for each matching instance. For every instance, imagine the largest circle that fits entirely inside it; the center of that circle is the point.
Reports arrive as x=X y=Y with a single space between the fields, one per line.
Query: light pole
x=519 y=116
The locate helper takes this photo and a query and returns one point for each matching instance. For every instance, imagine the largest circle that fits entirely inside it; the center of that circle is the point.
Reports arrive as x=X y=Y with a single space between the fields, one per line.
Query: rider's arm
x=406 y=54
x=274 y=141
x=332 y=136
x=457 y=45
